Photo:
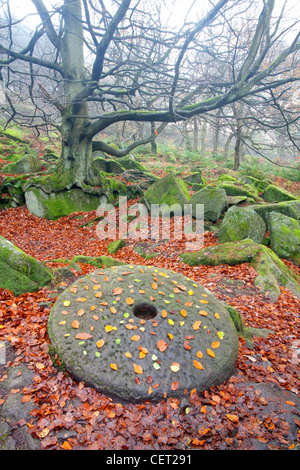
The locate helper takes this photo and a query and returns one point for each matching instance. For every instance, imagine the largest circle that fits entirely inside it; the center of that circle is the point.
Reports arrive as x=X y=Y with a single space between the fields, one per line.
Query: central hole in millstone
x=145 y=311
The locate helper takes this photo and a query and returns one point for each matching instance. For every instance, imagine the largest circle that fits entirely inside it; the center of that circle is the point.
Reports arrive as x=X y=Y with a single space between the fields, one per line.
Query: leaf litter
x=233 y=415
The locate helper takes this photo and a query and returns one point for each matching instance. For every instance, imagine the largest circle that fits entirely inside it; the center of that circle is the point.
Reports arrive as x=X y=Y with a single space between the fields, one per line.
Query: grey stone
x=160 y=330
x=214 y=201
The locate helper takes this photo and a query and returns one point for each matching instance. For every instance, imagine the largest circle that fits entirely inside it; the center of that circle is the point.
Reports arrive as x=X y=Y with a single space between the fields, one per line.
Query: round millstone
x=140 y=332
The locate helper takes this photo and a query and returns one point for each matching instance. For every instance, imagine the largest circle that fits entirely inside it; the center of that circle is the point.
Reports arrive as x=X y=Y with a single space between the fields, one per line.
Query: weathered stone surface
x=26 y=164
x=20 y=272
x=274 y=194
x=140 y=332
x=214 y=201
x=271 y=271
x=282 y=208
x=169 y=190
x=240 y=223
x=108 y=165
x=284 y=235
x=60 y=204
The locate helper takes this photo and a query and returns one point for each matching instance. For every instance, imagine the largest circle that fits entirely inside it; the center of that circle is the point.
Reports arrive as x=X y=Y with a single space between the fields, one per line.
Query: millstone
x=140 y=332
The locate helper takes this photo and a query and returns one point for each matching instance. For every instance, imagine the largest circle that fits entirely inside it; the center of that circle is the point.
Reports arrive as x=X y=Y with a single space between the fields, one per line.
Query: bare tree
x=103 y=66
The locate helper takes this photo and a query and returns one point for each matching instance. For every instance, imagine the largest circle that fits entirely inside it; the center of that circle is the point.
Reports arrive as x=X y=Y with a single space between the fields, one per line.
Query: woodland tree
x=88 y=66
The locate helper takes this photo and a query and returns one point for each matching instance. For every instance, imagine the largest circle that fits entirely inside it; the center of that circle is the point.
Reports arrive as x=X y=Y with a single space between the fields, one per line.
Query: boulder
x=60 y=204
x=240 y=223
x=109 y=166
x=284 y=235
x=195 y=178
x=129 y=163
x=214 y=201
x=20 y=272
x=26 y=164
x=274 y=194
x=116 y=332
x=232 y=189
x=169 y=191
x=271 y=271
x=282 y=207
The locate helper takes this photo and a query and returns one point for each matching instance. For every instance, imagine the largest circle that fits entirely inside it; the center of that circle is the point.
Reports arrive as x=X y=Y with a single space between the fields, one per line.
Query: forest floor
x=257 y=408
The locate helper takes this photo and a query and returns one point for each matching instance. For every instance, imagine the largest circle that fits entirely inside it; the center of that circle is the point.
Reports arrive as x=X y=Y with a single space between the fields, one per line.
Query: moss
x=272 y=272
x=168 y=190
x=235 y=190
x=20 y=272
x=114 y=246
x=240 y=223
x=272 y=194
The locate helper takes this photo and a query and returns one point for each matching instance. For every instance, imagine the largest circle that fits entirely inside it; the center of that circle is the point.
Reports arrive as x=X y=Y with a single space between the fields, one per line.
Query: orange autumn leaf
x=174 y=386
x=113 y=310
x=217 y=315
x=215 y=344
x=210 y=352
x=73 y=289
x=176 y=290
x=93 y=307
x=98 y=294
x=197 y=364
x=162 y=345
x=143 y=349
x=137 y=369
x=66 y=445
x=183 y=312
x=181 y=287
x=83 y=336
x=164 y=313
x=129 y=301
x=233 y=418
x=114 y=366
x=100 y=343
x=188 y=304
x=196 y=325
x=75 y=324
x=199 y=354
x=117 y=291
x=135 y=338
x=80 y=312
x=154 y=285
x=81 y=299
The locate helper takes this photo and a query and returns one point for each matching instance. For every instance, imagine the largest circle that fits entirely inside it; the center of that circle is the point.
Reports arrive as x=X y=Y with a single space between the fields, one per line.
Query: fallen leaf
x=83 y=336
x=117 y=291
x=215 y=344
x=137 y=369
x=129 y=301
x=135 y=338
x=81 y=299
x=162 y=345
x=114 y=366
x=197 y=364
x=233 y=418
x=210 y=352
x=75 y=324
x=100 y=343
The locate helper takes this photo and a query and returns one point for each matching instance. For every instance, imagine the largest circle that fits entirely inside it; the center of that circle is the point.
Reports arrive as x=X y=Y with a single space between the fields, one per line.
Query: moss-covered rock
x=169 y=190
x=129 y=163
x=236 y=190
x=108 y=165
x=274 y=194
x=229 y=178
x=282 y=208
x=111 y=187
x=60 y=204
x=240 y=223
x=26 y=164
x=272 y=272
x=114 y=246
x=195 y=177
x=214 y=201
x=20 y=272
x=284 y=235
